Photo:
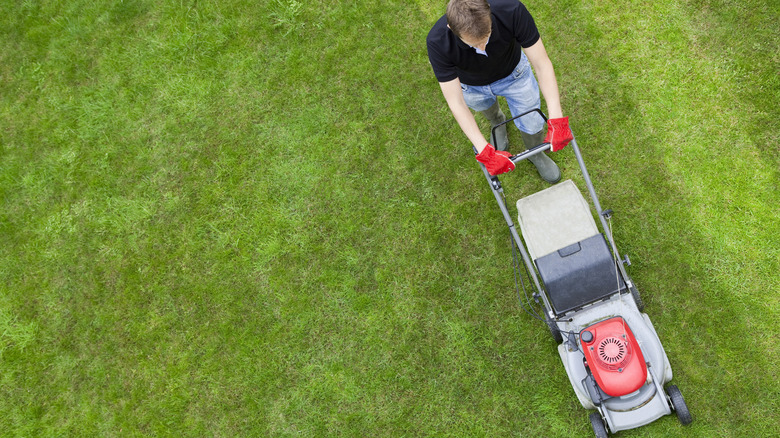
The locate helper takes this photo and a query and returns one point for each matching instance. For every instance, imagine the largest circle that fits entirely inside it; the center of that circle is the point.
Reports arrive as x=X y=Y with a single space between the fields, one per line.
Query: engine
x=613 y=356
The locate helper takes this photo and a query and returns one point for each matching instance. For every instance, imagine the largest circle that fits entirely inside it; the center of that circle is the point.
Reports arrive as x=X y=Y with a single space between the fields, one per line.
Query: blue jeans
x=520 y=90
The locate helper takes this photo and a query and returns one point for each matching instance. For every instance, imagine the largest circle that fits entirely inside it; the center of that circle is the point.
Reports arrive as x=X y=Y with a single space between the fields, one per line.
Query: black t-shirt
x=513 y=28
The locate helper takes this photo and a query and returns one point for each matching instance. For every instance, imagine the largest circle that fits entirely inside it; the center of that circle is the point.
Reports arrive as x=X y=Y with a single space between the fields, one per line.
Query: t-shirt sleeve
x=443 y=69
x=526 y=32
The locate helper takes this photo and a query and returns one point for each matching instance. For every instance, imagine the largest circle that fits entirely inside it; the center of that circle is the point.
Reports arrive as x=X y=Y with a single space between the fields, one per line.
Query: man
x=481 y=49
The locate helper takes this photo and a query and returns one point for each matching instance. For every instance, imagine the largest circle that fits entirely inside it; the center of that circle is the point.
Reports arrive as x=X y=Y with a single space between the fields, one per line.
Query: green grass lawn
x=237 y=218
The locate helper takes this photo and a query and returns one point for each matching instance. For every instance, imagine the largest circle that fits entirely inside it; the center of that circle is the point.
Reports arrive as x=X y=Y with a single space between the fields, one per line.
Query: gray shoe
x=546 y=167
x=496 y=116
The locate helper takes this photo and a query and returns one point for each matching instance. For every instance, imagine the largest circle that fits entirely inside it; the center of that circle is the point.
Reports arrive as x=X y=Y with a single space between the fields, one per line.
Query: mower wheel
x=678 y=403
x=637 y=299
x=598 y=425
x=556 y=334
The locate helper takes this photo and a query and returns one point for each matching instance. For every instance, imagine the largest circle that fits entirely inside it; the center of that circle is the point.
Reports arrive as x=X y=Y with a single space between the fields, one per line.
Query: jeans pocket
x=521 y=69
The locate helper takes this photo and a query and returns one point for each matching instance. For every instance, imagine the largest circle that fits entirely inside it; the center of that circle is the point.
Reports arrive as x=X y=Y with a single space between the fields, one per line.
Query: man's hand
x=558 y=133
x=496 y=162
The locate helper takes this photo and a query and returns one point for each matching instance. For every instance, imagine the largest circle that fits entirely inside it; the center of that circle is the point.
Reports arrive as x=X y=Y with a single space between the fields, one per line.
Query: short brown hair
x=469 y=18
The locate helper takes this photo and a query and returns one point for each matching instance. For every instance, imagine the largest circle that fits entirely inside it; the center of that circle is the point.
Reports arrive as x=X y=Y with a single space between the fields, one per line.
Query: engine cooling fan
x=613 y=353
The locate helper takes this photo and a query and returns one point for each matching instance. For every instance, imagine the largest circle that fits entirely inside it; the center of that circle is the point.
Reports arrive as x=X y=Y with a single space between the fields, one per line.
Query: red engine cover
x=614 y=357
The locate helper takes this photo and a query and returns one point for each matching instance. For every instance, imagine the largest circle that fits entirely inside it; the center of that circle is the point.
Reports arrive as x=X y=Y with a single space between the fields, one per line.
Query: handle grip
x=531 y=152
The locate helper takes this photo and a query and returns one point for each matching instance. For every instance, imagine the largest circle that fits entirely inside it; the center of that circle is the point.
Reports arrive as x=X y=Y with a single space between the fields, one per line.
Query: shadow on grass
x=647 y=96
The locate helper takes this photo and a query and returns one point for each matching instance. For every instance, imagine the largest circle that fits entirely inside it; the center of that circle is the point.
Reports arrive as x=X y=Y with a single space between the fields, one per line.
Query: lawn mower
x=611 y=352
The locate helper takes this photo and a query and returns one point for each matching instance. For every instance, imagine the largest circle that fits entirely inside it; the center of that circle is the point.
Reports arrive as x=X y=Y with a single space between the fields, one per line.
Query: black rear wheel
x=556 y=334
x=678 y=403
x=637 y=299
x=598 y=425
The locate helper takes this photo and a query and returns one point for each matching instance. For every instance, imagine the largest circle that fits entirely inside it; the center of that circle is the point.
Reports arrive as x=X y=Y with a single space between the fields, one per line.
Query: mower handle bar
x=530 y=152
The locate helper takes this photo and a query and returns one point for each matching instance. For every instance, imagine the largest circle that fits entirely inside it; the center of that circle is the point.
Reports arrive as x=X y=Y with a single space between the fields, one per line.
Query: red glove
x=496 y=162
x=558 y=133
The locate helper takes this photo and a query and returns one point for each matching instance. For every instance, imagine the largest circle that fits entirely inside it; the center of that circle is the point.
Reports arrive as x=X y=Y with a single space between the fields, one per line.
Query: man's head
x=470 y=20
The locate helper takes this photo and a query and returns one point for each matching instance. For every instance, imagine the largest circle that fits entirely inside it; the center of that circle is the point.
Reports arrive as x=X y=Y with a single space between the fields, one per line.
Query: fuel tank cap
x=586 y=336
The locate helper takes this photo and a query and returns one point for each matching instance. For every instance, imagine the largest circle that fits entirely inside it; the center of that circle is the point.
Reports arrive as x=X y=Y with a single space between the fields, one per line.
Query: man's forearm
x=549 y=88
x=454 y=97
x=545 y=76
x=468 y=124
